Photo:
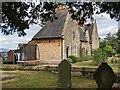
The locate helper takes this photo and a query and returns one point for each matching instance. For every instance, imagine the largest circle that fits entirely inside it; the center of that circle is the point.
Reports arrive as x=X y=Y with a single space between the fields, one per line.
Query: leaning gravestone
x=104 y=76
x=64 y=78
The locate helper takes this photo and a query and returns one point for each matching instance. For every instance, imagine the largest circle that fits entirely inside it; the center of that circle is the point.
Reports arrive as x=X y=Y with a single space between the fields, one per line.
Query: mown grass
x=90 y=64
x=38 y=79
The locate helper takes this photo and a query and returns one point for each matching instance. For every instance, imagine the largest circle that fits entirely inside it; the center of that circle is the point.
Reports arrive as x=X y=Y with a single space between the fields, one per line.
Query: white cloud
x=105 y=25
x=102 y=16
x=12 y=41
x=104 y=31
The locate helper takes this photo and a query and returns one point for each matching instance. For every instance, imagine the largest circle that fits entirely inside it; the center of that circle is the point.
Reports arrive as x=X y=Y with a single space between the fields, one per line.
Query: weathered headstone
x=64 y=78
x=104 y=76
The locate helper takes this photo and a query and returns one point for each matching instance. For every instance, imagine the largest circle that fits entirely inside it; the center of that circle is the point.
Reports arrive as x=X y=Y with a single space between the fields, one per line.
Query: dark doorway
x=67 y=51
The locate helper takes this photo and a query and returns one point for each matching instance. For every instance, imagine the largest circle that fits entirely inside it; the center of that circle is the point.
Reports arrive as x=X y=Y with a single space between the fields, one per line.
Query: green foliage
x=82 y=52
x=8 y=68
x=79 y=59
x=109 y=50
x=85 y=58
x=73 y=58
x=83 y=55
x=110 y=44
x=99 y=56
x=69 y=60
x=18 y=16
x=118 y=39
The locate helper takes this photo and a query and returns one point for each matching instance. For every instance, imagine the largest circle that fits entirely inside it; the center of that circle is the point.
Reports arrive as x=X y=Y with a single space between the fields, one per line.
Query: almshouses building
x=63 y=37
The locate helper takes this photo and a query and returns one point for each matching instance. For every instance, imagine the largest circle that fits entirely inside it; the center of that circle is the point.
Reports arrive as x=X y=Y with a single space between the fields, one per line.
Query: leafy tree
x=17 y=16
x=111 y=41
x=118 y=39
x=99 y=55
x=109 y=50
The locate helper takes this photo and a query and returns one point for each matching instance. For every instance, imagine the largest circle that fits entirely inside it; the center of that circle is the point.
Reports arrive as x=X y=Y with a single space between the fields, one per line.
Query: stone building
x=89 y=39
x=63 y=37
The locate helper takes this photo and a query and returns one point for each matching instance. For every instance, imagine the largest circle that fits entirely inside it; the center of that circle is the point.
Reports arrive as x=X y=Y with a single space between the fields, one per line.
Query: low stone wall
x=83 y=72
x=6 y=77
x=75 y=71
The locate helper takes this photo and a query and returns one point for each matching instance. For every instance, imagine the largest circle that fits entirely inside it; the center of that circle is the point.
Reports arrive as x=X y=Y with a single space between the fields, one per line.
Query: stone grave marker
x=64 y=77
x=104 y=76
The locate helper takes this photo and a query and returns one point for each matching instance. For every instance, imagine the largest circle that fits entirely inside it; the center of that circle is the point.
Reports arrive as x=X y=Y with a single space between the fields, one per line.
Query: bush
x=99 y=56
x=74 y=58
x=109 y=50
x=69 y=60
x=79 y=59
x=85 y=58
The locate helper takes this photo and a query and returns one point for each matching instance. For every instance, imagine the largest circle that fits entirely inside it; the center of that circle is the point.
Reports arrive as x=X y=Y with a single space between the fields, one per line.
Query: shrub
x=79 y=59
x=74 y=58
x=109 y=50
x=85 y=58
x=99 y=56
x=69 y=60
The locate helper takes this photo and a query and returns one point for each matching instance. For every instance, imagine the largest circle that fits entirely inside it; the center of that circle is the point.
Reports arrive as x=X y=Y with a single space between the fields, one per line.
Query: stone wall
x=71 y=38
x=85 y=45
x=95 y=37
x=49 y=50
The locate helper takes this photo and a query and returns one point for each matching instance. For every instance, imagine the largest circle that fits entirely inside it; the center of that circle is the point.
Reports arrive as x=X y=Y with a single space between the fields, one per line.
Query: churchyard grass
x=38 y=79
x=90 y=64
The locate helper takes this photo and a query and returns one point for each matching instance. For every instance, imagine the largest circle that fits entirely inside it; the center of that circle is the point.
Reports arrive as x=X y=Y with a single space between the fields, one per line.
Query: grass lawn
x=89 y=64
x=38 y=79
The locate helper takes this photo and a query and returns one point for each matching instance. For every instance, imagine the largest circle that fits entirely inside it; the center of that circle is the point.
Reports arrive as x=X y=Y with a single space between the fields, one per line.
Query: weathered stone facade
x=48 y=50
x=71 y=38
x=63 y=37
x=95 y=37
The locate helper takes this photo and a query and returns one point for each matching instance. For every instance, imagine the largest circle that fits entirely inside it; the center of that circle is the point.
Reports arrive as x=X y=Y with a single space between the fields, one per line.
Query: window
x=67 y=52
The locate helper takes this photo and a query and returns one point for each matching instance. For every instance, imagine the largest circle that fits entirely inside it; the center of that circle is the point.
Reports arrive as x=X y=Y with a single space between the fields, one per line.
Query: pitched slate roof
x=88 y=27
x=53 y=29
x=82 y=35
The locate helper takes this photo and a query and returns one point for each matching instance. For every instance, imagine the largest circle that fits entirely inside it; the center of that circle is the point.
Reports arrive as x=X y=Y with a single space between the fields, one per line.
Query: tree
x=99 y=55
x=109 y=50
x=118 y=39
x=110 y=42
x=17 y=16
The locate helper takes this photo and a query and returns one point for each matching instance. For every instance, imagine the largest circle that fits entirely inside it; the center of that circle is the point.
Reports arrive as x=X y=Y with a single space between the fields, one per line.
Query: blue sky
x=104 y=24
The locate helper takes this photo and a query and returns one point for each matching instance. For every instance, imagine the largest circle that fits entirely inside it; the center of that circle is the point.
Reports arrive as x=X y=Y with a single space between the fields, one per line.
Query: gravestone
x=104 y=76
x=64 y=78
